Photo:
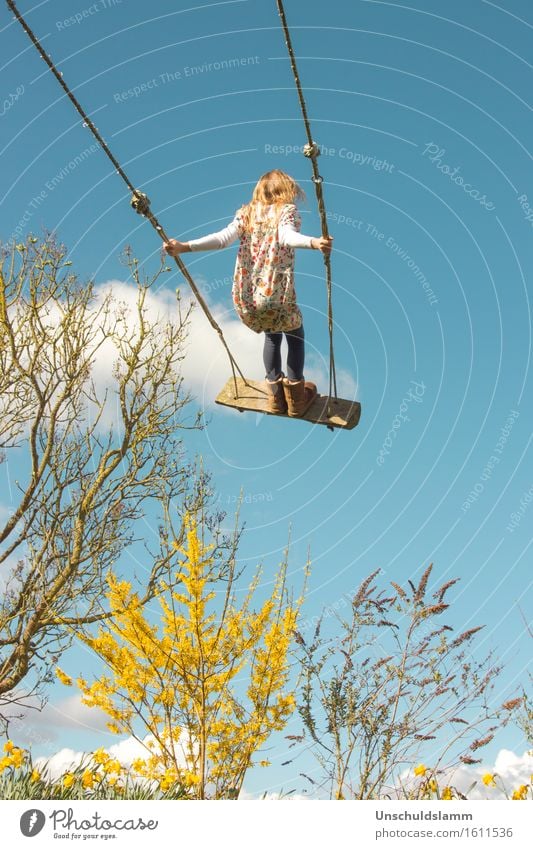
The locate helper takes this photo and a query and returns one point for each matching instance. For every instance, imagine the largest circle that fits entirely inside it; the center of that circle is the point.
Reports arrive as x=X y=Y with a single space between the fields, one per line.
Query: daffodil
x=87 y=779
x=17 y=758
x=420 y=770
x=101 y=756
x=488 y=779
x=68 y=779
x=521 y=793
x=8 y=747
x=168 y=779
x=35 y=776
x=447 y=793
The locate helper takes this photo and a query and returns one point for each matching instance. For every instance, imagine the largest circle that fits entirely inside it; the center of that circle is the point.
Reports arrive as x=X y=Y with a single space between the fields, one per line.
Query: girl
x=263 y=284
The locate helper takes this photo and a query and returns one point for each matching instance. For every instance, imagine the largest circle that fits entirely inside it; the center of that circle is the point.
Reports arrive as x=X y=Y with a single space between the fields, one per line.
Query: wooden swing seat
x=344 y=414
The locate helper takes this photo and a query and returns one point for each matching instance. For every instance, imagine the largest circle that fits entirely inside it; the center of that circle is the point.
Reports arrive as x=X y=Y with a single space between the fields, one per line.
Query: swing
x=239 y=392
x=251 y=395
x=244 y=395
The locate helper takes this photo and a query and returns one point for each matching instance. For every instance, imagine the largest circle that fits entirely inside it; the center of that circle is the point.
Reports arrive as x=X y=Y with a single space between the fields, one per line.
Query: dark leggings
x=295 y=354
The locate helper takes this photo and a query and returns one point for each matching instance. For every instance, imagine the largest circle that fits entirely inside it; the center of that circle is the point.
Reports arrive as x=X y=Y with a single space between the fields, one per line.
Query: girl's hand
x=173 y=247
x=322 y=244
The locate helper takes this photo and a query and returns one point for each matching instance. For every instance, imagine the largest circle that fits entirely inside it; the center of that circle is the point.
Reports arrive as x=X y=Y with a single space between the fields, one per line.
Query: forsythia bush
x=209 y=682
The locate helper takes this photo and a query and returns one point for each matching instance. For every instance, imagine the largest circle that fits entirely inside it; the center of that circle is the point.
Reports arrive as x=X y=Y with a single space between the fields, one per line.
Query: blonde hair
x=275 y=188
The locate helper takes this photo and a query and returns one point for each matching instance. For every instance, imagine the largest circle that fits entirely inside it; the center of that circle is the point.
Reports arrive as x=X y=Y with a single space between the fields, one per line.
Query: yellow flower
x=87 y=779
x=113 y=766
x=35 y=776
x=447 y=793
x=432 y=785
x=68 y=779
x=101 y=756
x=168 y=779
x=521 y=793
x=4 y=763
x=63 y=677
x=264 y=763
x=488 y=779
x=137 y=653
x=17 y=758
x=8 y=747
x=420 y=769
x=112 y=780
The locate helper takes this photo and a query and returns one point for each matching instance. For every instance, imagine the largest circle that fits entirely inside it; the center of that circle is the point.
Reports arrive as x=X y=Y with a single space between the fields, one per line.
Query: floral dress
x=263 y=282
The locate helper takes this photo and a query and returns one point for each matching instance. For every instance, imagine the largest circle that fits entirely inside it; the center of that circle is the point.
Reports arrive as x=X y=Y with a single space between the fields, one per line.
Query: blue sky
x=424 y=115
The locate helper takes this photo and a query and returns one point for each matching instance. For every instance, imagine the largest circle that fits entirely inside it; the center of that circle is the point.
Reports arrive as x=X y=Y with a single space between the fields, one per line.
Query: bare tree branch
x=81 y=487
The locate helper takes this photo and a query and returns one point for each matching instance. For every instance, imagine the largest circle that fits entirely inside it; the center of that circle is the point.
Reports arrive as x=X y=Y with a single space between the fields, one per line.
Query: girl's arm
x=212 y=242
x=292 y=238
x=289 y=235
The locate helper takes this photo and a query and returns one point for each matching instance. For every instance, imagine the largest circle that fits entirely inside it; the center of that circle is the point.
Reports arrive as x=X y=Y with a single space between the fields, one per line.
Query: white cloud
x=43 y=726
x=206 y=366
x=72 y=713
x=68 y=759
x=511 y=770
x=247 y=348
x=63 y=761
x=125 y=751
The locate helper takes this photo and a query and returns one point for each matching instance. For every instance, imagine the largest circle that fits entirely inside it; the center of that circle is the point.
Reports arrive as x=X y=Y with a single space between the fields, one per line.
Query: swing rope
x=312 y=151
x=140 y=202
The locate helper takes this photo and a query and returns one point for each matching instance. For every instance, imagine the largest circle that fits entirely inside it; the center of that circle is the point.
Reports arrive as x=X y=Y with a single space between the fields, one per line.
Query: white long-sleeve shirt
x=287 y=233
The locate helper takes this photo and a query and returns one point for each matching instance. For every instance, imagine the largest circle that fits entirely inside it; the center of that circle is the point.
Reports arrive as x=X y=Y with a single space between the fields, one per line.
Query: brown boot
x=299 y=396
x=276 y=397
